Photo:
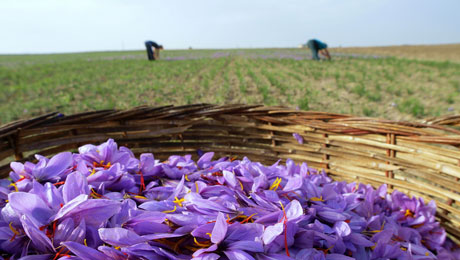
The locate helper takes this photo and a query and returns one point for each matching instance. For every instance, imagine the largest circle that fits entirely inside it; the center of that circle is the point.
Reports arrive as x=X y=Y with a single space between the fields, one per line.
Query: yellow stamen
x=209 y=234
x=96 y=195
x=196 y=186
x=92 y=172
x=241 y=185
x=408 y=213
x=282 y=206
x=403 y=249
x=186 y=177
x=328 y=249
x=200 y=244
x=427 y=254
x=13 y=229
x=84 y=242
x=170 y=211
x=276 y=184
x=248 y=218
x=381 y=228
x=140 y=197
x=317 y=199
x=15 y=187
x=178 y=201
x=6 y=201
x=117 y=248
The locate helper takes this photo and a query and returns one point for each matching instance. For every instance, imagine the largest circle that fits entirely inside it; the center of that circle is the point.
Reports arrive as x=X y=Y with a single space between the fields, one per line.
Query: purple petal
x=294 y=183
x=112 y=253
x=220 y=229
x=207 y=256
x=298 y=138
x=63 y=230
x=204 y=251
x=149 y=166
x=360 y=240
x=75 y=185
x=248 y=231
x=31 y=205
x=251 y=246
x=84 y=252
x=230 y=178
x=204 y=160
x=293 y=210
x=120 y=237
x=342 y=229
x=53 y=196
x=79 y=233
x=203 y=230
x=38 y=237
x=36 y=257
x=196 y=200
x=338 y=257
x=271 y=232
x=56 y=166
x=238 y=255
x=331 y=216
x=94 y=211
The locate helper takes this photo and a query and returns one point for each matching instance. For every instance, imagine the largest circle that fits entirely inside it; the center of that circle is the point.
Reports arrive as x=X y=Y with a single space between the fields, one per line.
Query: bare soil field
x=442 y=52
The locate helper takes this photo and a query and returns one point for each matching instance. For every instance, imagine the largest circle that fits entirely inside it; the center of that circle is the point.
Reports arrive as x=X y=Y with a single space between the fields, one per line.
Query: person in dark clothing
x=318 y=46
x=153 y=50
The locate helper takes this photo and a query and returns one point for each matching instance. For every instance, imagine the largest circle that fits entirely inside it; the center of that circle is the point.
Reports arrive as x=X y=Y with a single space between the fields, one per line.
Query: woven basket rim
x=392 y=151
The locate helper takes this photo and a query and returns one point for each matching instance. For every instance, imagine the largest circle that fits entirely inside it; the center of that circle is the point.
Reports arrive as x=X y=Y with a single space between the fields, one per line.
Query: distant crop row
x=363 y=86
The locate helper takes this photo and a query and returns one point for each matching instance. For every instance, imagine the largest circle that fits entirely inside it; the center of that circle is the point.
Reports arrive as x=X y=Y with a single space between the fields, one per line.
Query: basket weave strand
x=420 y=159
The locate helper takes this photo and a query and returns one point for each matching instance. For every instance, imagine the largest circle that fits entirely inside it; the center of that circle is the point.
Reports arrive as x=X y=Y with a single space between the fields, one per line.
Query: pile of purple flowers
x=104 y=203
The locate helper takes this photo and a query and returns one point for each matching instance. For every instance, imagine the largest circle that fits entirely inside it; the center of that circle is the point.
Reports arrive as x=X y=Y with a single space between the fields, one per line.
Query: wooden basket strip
x=432 y=177
x=453 y=120
x=362 y=173
x=14 y=126
x=423 y=158
x=82 y=118
x=115 y=130
x=452 y=140
x=358 y=140
x=437 y=152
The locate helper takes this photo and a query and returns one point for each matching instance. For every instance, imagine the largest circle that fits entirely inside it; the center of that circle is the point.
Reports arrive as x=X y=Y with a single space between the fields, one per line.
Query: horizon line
x=236 y=48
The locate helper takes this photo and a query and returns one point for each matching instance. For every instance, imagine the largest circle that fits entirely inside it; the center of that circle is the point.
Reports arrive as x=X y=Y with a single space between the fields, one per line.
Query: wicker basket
x=420 y=159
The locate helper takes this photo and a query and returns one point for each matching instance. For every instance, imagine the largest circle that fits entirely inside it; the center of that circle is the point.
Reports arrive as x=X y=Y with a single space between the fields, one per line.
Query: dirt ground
x=442 y=52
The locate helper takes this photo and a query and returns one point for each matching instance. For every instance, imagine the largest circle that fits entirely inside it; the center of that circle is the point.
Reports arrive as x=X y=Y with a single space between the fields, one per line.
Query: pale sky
x=55 y=26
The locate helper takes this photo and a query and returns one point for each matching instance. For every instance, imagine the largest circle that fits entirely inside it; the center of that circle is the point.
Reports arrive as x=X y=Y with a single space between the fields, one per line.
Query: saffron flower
x=104 y=203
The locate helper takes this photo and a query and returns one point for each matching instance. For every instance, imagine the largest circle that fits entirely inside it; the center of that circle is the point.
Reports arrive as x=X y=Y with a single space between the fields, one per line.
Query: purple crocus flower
x=298 y=137
x=237 y=241
x=103 y=203
x=45 y=170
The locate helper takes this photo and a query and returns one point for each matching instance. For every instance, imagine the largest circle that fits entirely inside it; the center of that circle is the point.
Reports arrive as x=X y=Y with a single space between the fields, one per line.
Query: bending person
x=318 y=46
x=153 y=50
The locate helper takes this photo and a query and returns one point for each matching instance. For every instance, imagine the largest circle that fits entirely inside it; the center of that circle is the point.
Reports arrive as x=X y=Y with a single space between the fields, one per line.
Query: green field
x=386 y=87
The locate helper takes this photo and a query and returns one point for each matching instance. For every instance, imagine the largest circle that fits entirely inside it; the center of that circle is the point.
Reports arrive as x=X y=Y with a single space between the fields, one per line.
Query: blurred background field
x=399 y=82
x=441 y=52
